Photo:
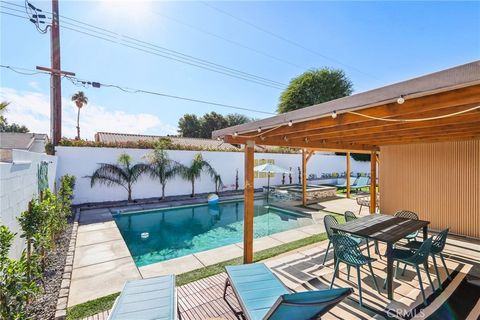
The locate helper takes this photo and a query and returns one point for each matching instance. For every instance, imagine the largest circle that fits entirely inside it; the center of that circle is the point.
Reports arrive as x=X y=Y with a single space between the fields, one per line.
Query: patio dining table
x=385 y=228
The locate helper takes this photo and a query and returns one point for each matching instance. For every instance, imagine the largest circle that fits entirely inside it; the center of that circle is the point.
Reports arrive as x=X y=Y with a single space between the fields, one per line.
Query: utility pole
x=55 y=78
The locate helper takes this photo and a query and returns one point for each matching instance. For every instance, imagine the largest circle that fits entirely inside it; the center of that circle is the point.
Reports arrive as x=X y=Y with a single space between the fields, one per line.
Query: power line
x=85 y=83
x=238 y=44
x=150 y=48
x=282 y=38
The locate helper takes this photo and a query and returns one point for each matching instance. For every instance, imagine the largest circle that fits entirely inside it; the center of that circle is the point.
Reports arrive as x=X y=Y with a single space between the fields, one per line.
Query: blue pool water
x=179 y=231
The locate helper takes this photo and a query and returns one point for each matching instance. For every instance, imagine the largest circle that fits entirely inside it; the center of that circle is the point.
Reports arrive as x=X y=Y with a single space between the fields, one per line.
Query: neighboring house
x=109 y=137
x=34 y=142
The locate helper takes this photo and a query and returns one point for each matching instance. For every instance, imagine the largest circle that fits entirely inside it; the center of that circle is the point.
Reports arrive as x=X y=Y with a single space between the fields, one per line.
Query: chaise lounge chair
x=153 y=298
x=360 y=183
x=263 y=296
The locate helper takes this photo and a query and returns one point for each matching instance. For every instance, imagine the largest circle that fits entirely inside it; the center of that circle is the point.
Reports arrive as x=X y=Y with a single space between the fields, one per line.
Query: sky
x=375 y=43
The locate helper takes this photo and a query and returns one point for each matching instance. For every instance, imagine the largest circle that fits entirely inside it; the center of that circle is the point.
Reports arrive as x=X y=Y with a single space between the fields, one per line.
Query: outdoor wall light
x=290 y=123
x=259 y=129
x=400 y=100
x=334 y=114
x=235 y=134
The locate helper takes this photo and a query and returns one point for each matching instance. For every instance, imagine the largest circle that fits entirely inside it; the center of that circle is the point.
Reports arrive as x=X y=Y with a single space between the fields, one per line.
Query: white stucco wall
x=18 y=185
x=81 y=162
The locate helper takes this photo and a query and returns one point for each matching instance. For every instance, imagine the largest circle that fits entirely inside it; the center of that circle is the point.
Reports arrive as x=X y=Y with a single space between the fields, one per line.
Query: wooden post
x=249 y=208
x=348 y=175
x=373 y=182
x=304 y=177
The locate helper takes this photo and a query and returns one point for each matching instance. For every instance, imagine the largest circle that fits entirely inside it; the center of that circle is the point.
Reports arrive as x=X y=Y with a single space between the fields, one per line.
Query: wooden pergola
x=442 y=106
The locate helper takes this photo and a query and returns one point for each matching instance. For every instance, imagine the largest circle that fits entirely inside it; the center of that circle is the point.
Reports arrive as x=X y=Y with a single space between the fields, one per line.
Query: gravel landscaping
x=44 y=306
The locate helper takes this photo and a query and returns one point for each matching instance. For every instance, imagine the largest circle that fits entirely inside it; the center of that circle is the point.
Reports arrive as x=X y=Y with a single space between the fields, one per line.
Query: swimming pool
x=163 y=234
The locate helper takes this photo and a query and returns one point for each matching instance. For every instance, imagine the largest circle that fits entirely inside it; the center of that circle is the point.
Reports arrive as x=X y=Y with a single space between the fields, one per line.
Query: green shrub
x=16 y=286
x=65 y=193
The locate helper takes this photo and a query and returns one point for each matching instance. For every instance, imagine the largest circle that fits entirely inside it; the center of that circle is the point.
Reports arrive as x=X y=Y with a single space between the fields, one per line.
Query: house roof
x=22 y=141
x=441 y=106
x=441 y=81
x=110 y=137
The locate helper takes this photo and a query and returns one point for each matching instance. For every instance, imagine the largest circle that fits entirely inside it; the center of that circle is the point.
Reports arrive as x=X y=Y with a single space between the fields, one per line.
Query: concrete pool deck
x=102 y=261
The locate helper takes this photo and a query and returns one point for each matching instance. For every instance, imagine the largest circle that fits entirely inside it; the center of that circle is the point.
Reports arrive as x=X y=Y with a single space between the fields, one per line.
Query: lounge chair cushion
x=307 y=305
x=256 y=288
x=152 y=298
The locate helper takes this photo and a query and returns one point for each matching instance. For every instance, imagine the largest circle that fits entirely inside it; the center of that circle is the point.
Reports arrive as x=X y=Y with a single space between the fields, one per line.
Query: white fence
x=18 y=185
x=81 y=162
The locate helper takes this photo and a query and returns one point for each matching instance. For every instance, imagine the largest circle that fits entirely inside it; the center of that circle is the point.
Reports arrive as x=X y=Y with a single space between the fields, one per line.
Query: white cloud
x=32 y=109
x=34 y=85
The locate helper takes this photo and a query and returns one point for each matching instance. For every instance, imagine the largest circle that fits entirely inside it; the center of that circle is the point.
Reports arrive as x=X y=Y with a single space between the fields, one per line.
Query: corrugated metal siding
x=439 y=181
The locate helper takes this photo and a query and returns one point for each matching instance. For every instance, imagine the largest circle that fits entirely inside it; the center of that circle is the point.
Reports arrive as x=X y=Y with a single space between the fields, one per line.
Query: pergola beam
x=340 y=147
x=369 y=138
x=380 y=126
x=412 y=107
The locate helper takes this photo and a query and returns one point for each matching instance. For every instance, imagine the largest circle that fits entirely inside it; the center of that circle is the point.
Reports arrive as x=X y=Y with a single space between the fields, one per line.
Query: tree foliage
x=314 y=87
x=161 y=167
x=193 y=127
x=80 y=99
x=195 y=169
x=123 y=174
x=5 y=126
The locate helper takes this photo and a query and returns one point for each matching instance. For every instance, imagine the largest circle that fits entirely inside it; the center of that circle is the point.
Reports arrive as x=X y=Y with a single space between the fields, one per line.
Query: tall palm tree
x=193 y=172
x=161 y=167
x=122 y=174
x=80 y=99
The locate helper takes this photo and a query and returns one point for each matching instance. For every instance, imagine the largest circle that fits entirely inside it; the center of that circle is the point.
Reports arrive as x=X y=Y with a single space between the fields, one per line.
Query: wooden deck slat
x=203 y=299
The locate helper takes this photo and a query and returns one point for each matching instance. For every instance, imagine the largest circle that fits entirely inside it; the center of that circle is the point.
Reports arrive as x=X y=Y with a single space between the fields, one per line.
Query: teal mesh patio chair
x=329 y=221
x=408 y=215
x=261 y=295
x=350 y=216
x=347 y=251
x=414 y=259
x=438 y=245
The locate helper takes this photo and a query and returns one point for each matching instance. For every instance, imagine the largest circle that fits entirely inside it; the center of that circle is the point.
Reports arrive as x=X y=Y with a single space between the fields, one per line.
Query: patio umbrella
x=269 y=168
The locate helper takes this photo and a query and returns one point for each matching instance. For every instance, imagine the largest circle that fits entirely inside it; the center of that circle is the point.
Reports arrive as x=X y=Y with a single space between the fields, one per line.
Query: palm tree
x=161 y=167
x=218 y=183
x=122 y=174
x=80 y=99
x=3 y=106
x=193 y=172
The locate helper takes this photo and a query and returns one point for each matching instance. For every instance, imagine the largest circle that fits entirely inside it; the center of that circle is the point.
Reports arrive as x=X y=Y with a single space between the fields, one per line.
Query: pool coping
x=213 y=256
x=103 y=263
